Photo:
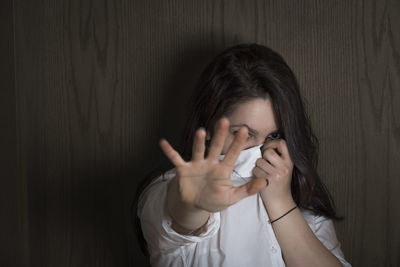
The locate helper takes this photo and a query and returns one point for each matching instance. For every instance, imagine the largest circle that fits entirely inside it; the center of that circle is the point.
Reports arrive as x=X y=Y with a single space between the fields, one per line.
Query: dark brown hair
x=249 y=71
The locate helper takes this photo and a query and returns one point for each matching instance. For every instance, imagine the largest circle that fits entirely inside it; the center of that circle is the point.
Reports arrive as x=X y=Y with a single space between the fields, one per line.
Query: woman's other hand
x=275 y=166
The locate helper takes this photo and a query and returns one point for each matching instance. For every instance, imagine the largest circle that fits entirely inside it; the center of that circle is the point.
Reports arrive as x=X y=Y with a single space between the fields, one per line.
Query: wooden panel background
x=90 y=86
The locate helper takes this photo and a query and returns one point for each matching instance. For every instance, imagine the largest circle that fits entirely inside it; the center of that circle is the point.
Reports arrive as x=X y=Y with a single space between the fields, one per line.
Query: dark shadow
x=175 y=111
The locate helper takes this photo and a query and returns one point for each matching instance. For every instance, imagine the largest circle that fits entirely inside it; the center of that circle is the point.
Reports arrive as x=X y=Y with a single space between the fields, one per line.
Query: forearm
x=299 y=245
x=186 y=218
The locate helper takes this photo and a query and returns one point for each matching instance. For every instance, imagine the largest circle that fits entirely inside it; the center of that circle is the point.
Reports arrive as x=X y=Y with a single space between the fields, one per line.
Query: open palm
x=205 y=182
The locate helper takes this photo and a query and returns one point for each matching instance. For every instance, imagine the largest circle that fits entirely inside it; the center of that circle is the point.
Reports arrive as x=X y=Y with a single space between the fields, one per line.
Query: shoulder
x=161 y=180
x=154 y=188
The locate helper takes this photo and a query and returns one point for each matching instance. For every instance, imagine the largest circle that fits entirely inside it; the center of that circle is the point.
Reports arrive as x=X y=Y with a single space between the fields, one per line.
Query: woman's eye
x=275 y=135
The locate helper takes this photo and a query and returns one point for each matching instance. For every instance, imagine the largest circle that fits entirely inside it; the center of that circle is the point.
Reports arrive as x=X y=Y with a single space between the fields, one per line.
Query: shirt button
x=273 y=249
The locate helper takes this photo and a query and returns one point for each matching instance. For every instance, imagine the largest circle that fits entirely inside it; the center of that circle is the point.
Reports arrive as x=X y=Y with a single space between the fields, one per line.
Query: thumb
x=248 y=189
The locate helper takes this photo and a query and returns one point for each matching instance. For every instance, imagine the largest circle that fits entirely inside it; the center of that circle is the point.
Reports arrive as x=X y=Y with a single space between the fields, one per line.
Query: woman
x=244 y=190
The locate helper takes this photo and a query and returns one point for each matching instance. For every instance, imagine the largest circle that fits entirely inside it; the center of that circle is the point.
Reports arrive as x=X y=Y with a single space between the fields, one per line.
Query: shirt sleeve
x=156 y=223
x=324 y=230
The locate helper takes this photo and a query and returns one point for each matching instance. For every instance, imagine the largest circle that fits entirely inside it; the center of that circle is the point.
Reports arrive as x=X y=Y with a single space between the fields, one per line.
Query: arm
x=300 y=247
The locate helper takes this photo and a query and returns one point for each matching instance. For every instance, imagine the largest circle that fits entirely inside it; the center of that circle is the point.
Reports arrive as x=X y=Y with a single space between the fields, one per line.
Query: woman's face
x=259 y=118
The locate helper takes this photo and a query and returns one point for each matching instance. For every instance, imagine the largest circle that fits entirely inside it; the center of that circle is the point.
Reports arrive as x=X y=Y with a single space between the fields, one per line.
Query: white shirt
x=237 y=236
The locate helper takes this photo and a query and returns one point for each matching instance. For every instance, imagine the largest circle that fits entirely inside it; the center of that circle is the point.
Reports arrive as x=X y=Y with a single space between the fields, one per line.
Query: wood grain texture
x=10 y=225
x=378 y=82
x=97 y=83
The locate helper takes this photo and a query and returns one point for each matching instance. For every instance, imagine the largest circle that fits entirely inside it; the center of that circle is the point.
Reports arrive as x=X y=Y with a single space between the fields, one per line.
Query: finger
x=272 y=157
x=264 y=165
x=280 y=146
x=199 y=145
x=259 y=173
x=284 y=149
x=171 y=154
x=270 y=144
x=248 y=189
x=218 y=140
x=236 y=147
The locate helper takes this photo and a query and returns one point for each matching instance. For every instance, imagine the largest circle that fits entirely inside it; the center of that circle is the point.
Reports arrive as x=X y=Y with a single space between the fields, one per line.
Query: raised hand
x=205 y=182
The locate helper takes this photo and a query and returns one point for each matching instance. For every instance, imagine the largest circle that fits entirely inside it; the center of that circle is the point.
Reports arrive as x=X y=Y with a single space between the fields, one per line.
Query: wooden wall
x=88 y=88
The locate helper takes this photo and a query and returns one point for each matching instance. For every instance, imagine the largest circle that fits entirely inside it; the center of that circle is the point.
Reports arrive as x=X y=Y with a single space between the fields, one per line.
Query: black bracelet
x=292 y=209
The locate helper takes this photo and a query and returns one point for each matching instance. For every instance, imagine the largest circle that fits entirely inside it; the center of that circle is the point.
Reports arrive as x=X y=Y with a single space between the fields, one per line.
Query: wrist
x=186 y=215
x=175 y=200
x=279 y=207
